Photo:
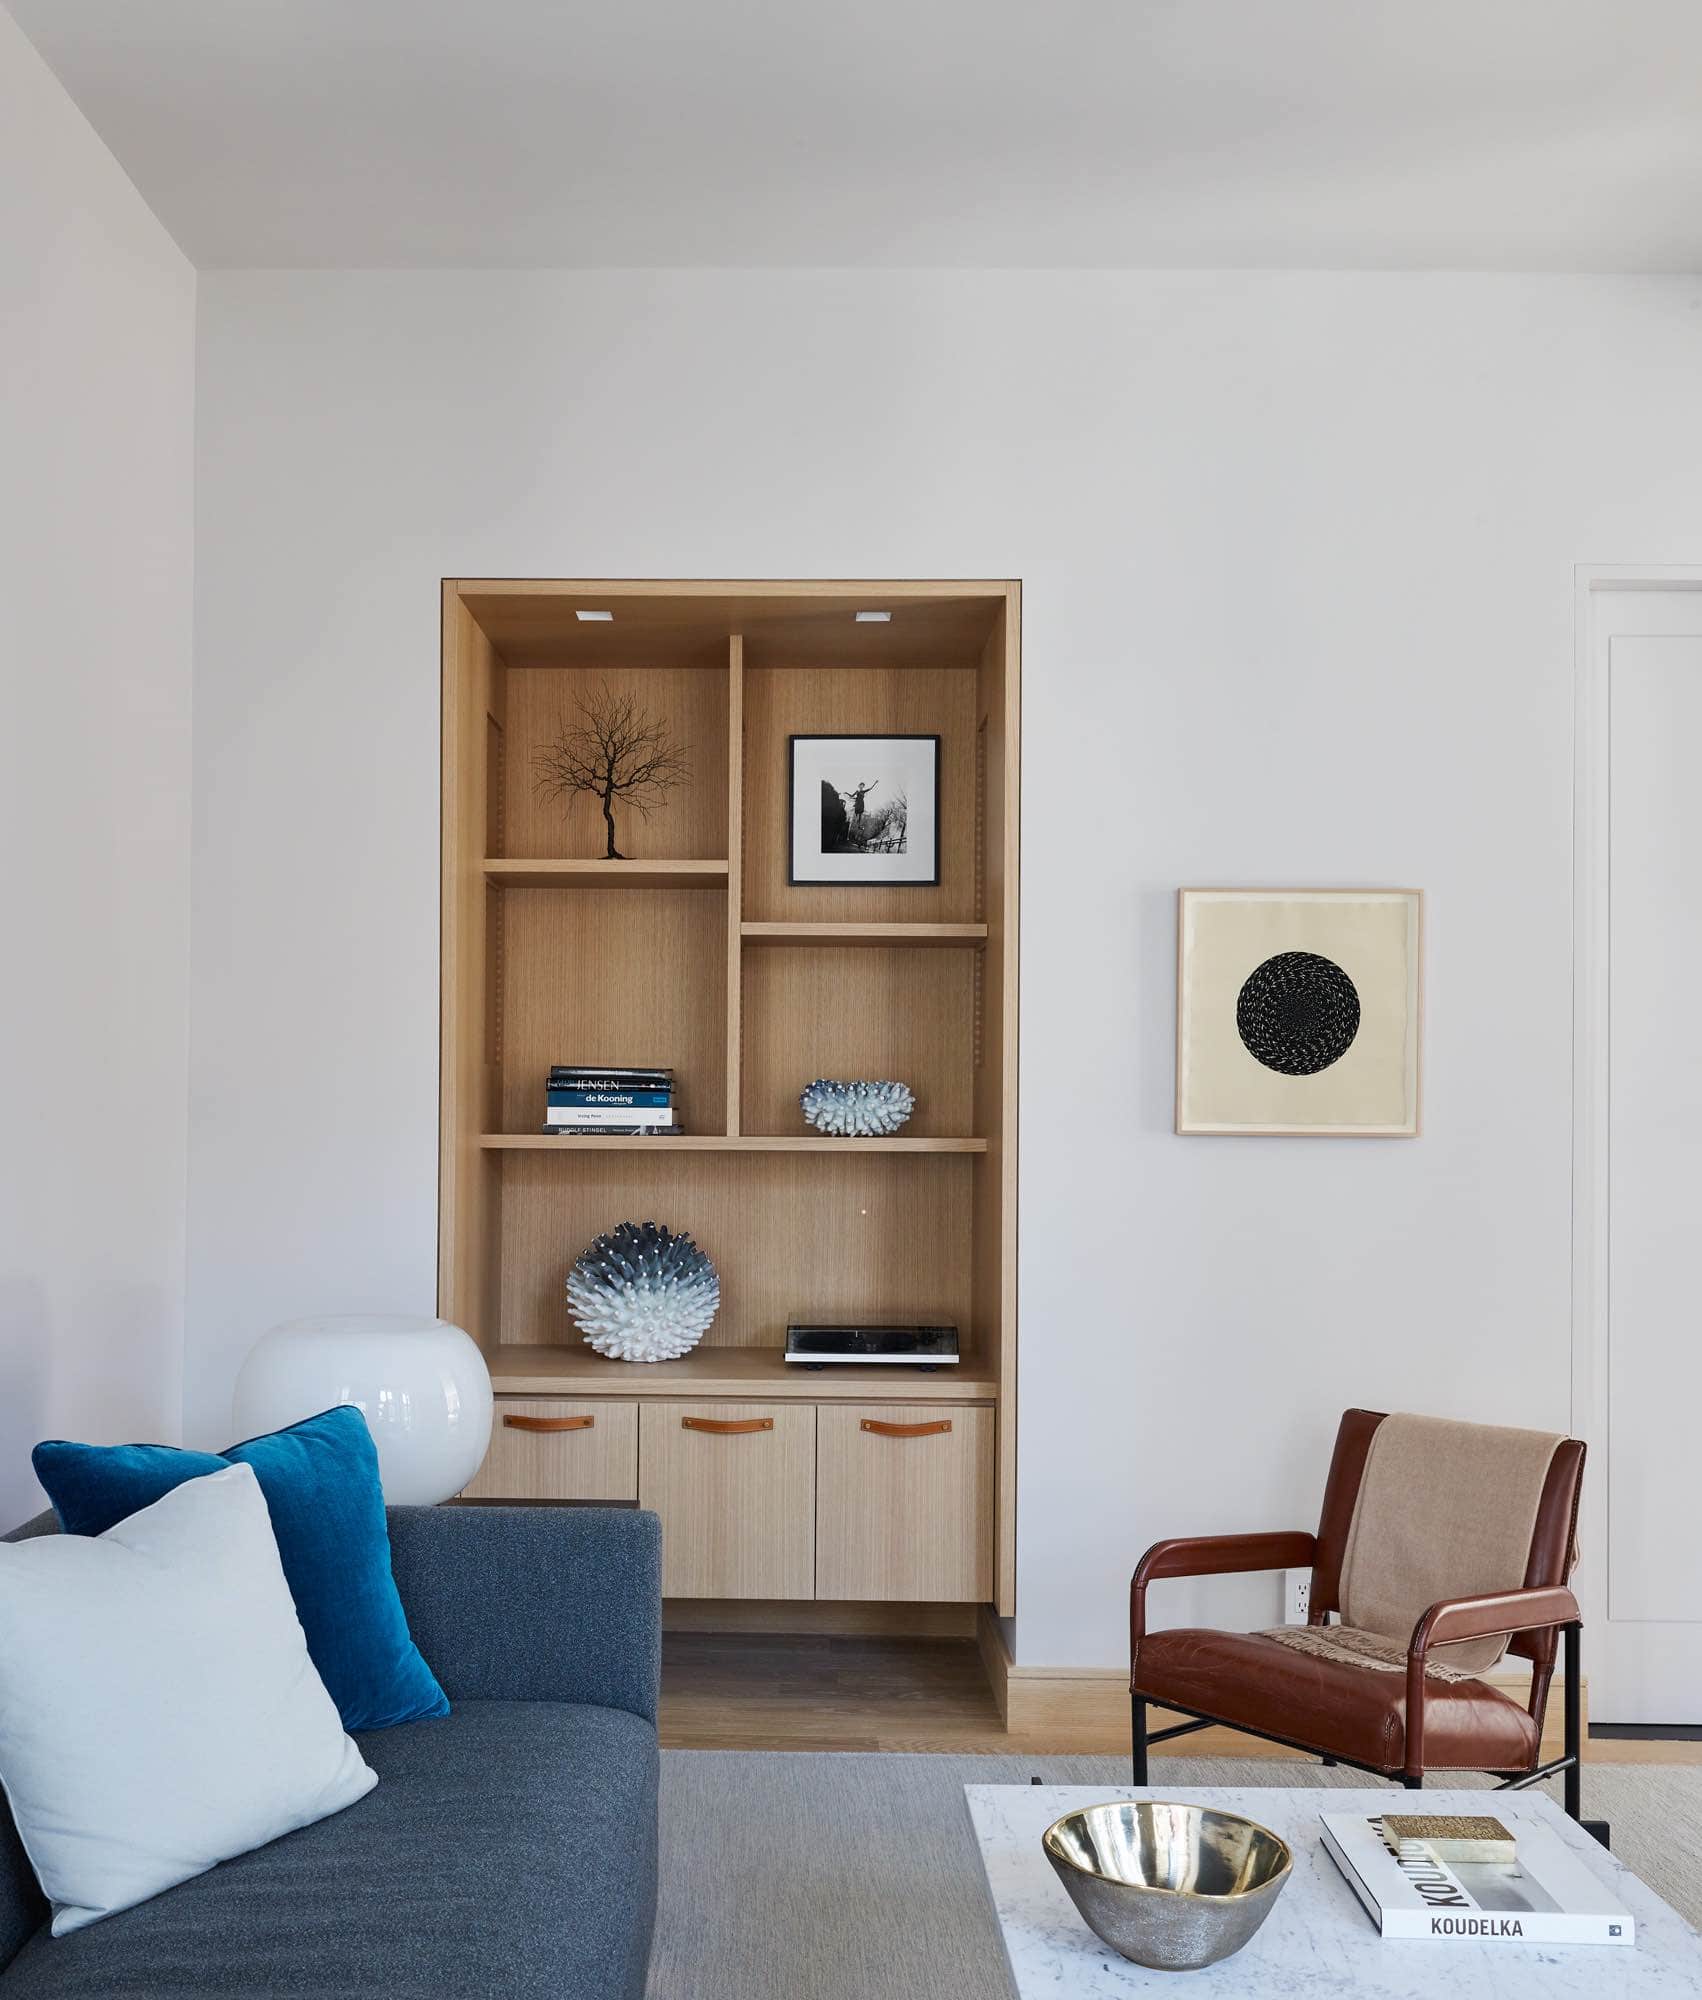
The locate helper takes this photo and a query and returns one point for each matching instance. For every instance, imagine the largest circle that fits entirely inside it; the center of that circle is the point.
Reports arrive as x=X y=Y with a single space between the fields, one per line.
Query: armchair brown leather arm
x=1498 y=1614
x=1212 y=1555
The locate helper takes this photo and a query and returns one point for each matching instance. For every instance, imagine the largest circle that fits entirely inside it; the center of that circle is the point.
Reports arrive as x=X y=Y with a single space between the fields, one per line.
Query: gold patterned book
x=1454 y=1836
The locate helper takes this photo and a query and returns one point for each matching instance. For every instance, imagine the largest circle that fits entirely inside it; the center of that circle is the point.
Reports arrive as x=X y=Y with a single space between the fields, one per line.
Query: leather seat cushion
x=1337 y=1710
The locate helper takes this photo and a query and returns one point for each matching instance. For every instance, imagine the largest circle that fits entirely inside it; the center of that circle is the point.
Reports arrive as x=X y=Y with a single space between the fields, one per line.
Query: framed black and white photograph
x=865 y=809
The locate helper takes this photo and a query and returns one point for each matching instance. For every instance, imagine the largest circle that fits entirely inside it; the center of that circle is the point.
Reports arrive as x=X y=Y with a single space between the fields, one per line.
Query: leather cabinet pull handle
x=727 y=1426
x=549 y=1423
x=885 y=1430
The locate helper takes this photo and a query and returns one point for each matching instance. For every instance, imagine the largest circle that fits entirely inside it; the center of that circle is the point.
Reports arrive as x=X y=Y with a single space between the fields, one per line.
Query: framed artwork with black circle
x=865 y=810
x=1298 y=1012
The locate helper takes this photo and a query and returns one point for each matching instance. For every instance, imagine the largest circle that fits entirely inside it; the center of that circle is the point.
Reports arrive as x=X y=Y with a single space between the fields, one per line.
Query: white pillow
x=158 y=1711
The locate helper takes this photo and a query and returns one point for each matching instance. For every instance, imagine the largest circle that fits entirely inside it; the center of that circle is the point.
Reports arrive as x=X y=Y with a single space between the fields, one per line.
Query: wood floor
x=724 y=1691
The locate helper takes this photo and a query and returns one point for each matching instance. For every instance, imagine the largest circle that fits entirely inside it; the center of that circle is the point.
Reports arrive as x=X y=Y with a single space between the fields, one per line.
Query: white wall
x=97 y=358
x=1297 y=552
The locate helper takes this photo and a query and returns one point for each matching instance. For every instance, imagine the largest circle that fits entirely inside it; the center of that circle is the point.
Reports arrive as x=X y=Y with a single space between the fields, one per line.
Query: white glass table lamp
x=422 y=1385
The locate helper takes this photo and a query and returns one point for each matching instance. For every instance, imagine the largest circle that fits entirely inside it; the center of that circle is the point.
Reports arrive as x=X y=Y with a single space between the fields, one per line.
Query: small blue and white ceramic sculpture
x=643 y=1294
x=860 y=1110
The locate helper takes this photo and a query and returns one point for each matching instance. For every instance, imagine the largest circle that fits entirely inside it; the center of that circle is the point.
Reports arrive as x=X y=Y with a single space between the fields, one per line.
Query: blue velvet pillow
x=320 y=1479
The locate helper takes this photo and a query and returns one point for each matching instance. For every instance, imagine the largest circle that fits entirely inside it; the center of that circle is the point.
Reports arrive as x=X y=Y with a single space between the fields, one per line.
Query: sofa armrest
x=535 y=1603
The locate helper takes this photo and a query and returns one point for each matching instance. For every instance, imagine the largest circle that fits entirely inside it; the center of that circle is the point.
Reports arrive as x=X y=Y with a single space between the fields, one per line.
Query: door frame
x=1593 y=584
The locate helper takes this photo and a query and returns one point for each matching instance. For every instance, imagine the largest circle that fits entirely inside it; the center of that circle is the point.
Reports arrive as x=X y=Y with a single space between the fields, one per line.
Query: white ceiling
x=1501 y=134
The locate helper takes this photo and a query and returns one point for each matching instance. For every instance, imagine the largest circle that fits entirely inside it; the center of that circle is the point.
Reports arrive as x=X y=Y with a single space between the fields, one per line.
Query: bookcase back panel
x=820 y=1238
x=689 y=824
x=846 y=1012
x=781 y=702
x=627 y=977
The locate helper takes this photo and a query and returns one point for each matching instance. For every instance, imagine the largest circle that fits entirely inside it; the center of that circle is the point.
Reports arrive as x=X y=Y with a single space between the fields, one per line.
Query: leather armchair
x=1390 y=1723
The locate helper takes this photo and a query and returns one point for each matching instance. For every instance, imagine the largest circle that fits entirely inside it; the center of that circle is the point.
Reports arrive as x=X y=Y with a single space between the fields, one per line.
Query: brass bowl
x=1172 y=1887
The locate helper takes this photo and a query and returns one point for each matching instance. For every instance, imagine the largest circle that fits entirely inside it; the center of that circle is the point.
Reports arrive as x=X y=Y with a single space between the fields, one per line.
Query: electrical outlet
x=1296 y=1596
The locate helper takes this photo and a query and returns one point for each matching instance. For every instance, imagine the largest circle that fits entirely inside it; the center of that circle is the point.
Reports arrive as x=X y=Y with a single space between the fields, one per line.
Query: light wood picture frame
x=1299 y=1012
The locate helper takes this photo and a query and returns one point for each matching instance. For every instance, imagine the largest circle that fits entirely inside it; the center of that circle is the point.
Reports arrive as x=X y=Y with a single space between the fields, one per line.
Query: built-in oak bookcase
x=696 y=953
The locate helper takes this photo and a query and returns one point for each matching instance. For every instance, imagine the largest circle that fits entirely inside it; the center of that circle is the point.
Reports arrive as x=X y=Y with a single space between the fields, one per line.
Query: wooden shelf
x=971 y=936
x=647 y=961
x=759 y=1372
x=712 y=1142
x=606 y=874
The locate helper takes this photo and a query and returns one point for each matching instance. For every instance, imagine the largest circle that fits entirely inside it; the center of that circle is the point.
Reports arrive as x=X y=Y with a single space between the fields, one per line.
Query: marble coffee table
x=1317 y=1943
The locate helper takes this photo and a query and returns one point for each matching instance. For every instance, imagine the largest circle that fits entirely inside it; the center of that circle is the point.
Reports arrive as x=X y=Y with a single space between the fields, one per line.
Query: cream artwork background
x=1224 y=936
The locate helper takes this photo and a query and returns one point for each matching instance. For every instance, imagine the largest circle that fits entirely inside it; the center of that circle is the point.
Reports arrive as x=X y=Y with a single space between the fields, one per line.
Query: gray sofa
x=508 y=1849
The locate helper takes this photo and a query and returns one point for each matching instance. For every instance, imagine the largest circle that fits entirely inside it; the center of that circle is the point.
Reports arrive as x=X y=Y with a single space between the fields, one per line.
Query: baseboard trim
x=819 y=1618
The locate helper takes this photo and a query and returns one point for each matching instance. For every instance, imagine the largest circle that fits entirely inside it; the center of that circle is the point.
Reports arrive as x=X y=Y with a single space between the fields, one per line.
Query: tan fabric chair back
x=1549 y=1539
x=1442 y=1509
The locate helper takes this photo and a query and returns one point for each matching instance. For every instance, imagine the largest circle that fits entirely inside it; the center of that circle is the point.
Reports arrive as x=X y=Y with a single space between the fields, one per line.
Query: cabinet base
x=807 y=1618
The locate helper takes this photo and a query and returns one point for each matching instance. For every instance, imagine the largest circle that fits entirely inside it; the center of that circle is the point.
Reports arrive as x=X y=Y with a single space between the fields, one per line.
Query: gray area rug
x=836 y=1876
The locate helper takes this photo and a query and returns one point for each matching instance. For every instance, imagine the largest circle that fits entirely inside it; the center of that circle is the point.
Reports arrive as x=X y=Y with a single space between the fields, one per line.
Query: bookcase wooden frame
x=697 y=952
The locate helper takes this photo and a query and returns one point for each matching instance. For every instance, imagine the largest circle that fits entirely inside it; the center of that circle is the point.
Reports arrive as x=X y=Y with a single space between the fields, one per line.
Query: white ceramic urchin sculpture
x=643 y=1294
x=860 y=1110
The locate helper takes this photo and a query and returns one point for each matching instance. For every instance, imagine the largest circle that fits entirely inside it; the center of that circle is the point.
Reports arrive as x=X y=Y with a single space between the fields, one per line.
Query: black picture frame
x=878 y=878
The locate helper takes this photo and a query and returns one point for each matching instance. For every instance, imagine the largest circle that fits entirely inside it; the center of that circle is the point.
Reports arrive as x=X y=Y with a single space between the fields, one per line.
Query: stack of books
x=594 y=1098
x=1476 y=1879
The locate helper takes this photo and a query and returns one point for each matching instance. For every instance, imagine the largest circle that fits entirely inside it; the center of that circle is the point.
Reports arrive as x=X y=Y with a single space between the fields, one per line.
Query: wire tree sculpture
x=618 y=752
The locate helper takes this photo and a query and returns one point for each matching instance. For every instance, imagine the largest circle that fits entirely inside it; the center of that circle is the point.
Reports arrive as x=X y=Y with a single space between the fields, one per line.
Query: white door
x=1638 y=1185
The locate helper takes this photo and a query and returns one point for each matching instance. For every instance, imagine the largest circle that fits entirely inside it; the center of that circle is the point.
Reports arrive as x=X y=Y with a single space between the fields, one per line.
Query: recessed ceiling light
x=594 y=617
x=874 y=617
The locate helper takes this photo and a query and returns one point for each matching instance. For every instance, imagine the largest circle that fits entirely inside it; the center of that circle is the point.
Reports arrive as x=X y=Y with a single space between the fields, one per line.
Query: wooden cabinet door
x=546 y=1448
x=904 y=1502
x=735 y=1485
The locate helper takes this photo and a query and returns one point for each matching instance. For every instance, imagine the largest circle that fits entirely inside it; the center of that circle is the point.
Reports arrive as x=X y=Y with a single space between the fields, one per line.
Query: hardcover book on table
x=1547 y=1894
